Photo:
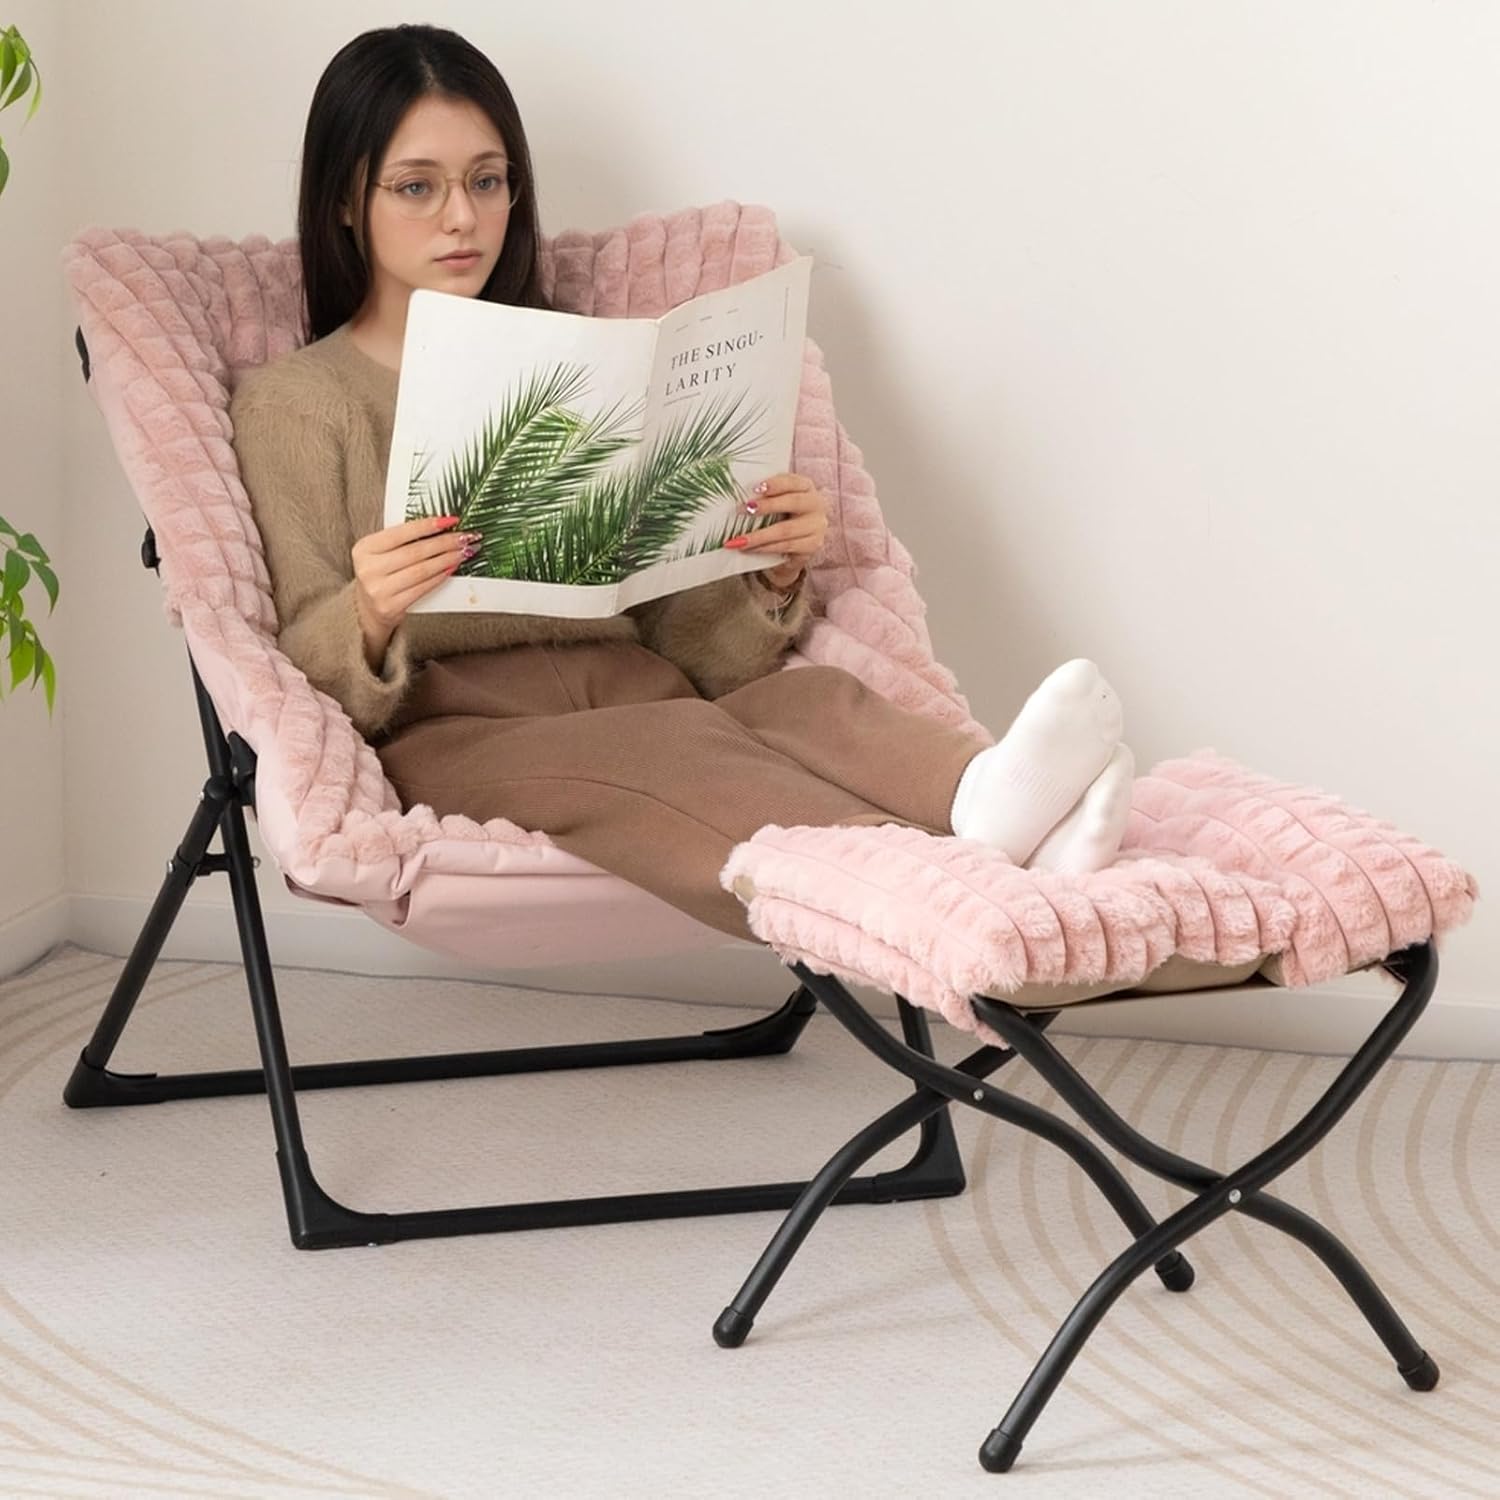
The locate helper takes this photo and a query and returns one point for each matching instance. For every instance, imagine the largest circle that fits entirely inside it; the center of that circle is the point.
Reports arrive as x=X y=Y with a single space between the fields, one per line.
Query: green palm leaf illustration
x=686 y=471
x=582 y=546
x=538 y=482
x=418 y=502
x=630 y=519
x=529 y=462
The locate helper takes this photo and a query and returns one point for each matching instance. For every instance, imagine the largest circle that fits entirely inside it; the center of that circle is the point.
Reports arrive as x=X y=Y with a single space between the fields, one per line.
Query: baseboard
x=1332 y=1020
x=34 y=933
x=343 y=939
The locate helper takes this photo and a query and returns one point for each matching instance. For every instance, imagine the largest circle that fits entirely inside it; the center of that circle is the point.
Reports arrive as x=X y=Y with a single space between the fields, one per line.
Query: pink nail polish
x=751 y=506
x=736 y=541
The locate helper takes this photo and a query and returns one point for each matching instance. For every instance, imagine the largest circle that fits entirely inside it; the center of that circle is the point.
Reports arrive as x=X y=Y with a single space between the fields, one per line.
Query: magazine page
x=505 y=416
x=719 y=418
x=595 y=477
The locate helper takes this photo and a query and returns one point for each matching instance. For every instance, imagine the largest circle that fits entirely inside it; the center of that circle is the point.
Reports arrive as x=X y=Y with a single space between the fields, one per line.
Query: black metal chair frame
x=317 y=1221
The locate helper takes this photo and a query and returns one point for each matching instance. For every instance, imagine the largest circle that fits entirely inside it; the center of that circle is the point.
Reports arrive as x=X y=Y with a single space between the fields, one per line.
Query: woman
x=648 y=743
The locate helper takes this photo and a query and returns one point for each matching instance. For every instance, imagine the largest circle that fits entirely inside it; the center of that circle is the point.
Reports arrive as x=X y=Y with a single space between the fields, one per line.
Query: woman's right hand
x=395 y=567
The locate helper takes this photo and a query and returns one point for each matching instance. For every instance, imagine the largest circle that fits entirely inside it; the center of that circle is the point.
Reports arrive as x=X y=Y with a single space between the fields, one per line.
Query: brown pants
x=607 y=748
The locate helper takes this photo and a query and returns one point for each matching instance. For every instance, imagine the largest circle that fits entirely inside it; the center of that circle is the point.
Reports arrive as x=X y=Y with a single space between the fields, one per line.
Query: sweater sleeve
x=722 y=634
x=289 y=437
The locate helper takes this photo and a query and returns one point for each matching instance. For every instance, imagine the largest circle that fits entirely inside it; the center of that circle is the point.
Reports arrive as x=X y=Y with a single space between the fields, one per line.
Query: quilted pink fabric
x=1219 y=864
x=171 y=321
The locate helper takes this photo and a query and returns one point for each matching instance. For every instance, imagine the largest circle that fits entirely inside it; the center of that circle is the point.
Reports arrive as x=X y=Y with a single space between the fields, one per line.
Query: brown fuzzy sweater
x=312 y=430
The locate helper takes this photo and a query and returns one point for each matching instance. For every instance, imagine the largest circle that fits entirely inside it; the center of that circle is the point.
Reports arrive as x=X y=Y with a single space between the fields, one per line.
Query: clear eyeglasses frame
x=490 y=190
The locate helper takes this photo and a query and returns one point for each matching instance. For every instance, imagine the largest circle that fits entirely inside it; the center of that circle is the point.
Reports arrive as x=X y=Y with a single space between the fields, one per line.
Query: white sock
x=1089 y=837
x=1014 y=793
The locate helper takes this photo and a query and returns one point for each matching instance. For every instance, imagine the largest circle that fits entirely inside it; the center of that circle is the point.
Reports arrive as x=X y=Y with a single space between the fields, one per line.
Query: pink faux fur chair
x=1227 y=877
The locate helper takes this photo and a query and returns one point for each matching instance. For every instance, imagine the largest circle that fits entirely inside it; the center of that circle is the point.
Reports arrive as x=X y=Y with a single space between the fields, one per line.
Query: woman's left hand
x=799 y=534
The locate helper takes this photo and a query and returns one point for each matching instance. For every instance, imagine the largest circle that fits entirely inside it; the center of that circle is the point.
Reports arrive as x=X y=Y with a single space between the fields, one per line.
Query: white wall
x=33 y=221
x=1170 y=332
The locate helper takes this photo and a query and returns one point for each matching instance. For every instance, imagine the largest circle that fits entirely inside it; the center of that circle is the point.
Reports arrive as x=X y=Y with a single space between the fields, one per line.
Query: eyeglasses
x=420 y=193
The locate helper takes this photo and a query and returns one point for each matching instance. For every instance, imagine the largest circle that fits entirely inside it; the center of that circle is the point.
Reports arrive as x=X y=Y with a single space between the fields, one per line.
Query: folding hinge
x=242 y=764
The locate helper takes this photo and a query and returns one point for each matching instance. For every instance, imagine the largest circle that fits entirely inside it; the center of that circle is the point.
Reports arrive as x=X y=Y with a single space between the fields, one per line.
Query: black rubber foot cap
x=732 y=1328
x=1176 y=1271
x=999 y=1451
x=1423 y=1375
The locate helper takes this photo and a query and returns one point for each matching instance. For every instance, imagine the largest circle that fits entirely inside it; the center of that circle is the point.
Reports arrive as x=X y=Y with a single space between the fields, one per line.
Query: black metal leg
x=1415 y=1365
x=936 y=1087
x=182 y=870
x=1217 y=1195
x=964 y=1084
x=734 y=1323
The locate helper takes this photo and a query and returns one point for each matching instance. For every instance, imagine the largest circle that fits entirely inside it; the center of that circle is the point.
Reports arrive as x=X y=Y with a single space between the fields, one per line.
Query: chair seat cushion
x=1220 y=865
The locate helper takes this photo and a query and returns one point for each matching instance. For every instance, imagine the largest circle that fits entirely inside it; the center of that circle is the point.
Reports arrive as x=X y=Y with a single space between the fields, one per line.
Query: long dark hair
x=364 y=93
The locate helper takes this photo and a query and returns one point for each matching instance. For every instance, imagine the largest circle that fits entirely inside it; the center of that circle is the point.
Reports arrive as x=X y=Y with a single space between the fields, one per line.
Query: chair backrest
x=171 y=323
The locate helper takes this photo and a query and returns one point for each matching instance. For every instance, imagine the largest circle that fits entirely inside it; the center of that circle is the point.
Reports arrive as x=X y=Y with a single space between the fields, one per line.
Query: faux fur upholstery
x=1220 y=865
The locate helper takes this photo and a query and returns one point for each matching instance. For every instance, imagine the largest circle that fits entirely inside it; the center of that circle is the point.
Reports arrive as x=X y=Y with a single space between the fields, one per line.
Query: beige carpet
x=159 y=1335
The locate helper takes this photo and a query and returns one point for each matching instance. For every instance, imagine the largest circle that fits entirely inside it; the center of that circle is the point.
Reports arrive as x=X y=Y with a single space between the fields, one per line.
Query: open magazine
x=602 y=460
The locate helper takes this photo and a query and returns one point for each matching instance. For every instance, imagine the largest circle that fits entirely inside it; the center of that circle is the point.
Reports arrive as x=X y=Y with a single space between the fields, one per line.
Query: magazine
x=603 y=461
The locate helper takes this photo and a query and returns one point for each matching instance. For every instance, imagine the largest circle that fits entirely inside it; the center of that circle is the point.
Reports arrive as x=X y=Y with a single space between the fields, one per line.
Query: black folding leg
x=937 y=1085
x=1153 y=1244
x=1216 y=1195
x=315 y=1220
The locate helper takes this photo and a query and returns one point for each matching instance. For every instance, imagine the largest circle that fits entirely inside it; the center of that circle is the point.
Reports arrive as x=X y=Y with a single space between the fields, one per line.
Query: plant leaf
x=31 y=547
x=473 y=469
x=530 y=464
x=580 y=545
x=19 y=87
x=22 y=659
x=418 y=504
x=17 y=571
x=687 y=470
x=49 y=582
x=49 y=679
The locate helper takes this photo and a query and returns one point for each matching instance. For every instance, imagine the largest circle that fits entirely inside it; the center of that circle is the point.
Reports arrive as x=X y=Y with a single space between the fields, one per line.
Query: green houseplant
x=22 y=558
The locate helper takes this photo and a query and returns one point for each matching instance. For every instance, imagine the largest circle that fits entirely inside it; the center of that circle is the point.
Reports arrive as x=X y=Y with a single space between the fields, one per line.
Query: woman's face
x=459 y=141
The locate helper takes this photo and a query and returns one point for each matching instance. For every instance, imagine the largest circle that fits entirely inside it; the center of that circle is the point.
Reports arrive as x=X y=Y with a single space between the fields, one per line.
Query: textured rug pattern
x=159 y=1335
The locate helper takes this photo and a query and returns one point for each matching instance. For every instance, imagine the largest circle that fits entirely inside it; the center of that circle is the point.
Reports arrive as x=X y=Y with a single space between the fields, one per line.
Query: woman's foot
x=1014 y=793
x=1089 y=837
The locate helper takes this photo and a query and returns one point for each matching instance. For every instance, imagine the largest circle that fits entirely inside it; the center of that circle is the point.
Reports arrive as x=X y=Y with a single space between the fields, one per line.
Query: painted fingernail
x=737 y=541
x=446 y=521
x=468 y=552
x=760 y=489
x=752 y=506
x=471 y=536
